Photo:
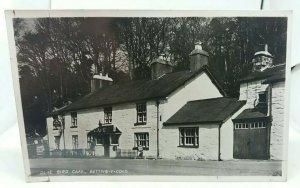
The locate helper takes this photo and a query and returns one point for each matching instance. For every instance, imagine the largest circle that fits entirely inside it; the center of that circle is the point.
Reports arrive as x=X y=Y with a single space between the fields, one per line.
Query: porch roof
x=101 y=130
x=252 y=114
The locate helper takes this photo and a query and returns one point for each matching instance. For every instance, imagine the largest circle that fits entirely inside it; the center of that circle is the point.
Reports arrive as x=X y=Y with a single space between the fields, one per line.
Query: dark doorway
x=106 y=144
x=251 y=140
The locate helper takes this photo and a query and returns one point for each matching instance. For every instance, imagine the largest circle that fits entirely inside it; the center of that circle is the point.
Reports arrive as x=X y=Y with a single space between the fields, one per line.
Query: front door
x=106 y=144
x=251 y=140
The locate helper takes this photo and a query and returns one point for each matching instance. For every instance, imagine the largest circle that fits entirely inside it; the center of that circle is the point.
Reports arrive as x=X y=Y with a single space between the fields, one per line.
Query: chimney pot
x=266 y=47
x=198 y=57
x=198 y=45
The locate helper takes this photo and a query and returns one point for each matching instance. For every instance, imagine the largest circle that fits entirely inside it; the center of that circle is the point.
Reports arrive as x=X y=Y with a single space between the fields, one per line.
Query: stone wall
x=278 y=126
x=249 y=91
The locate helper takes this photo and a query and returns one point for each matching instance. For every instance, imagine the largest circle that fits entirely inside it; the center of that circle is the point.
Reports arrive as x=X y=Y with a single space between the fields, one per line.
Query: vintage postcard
x=152 y=95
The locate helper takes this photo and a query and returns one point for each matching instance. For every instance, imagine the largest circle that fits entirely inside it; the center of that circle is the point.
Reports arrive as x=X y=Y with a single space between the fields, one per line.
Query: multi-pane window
x=257 y=125
x=73 y=119
x=57 y=142
x=242 y=125
x=141 y=113
x=252 y=125
x=141 y=139
x=107 y=115
x=189 y=136
x=75 y=141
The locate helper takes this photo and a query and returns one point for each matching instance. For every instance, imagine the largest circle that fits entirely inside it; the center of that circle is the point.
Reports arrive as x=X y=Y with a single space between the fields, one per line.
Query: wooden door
x=251 y=141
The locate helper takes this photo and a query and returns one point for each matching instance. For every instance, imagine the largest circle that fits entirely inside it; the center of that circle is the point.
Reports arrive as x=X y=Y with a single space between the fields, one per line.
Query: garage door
x=251 y=140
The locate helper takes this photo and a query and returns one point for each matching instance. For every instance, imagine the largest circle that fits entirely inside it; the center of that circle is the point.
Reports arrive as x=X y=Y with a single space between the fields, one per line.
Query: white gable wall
x=198 y=88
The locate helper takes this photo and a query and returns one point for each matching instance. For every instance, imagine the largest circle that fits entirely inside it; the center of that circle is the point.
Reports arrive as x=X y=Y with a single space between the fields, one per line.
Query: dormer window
x=108 y=115
x=73 y=119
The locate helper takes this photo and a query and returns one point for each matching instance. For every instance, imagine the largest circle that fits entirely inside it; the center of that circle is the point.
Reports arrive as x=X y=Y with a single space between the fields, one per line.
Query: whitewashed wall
x=208 y=143
x=123 y=117
x=227 y=136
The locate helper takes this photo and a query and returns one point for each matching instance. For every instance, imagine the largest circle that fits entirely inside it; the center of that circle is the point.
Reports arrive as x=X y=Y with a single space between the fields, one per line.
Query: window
x=188 y=136
x=108 y=115
x=242 y=125
x=258 y=125
x=57 y=142
x=73 y=119
x=141 y=113
x=262 y=97
x=141 y=139
x=56 y=123
x=75 y=141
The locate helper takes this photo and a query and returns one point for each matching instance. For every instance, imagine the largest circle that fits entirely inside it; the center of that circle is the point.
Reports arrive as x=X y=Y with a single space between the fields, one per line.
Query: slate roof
x=137 y=90
x=273 y=74
x=215 y=110
x=251 y=113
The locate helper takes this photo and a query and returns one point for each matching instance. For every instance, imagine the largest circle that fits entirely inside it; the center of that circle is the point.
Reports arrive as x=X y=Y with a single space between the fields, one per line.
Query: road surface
x=95 y=166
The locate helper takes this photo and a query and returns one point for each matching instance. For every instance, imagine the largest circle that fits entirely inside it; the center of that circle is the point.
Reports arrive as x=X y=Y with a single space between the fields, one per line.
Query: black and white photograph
x=152 y=95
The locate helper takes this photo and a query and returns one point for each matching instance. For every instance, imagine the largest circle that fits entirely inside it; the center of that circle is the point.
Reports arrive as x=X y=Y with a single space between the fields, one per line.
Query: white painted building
x=175 y=115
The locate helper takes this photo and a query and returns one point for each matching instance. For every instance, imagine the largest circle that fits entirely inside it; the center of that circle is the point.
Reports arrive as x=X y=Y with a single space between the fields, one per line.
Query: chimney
x=160 y=67
x=262 y=60
x=100 y=81
x=198 y=57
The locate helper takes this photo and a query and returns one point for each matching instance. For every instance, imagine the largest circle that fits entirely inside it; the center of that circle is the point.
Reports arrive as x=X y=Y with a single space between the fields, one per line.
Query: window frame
x=75 y=142
x=141 y=113
x=192 y=140
x=266 y=97
x=55 y=119
x=74 y=118
x=107 y=115
x=250 y=125
x=138 y=139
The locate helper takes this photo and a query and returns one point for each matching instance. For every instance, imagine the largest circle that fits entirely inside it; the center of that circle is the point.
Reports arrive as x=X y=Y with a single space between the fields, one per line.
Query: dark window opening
x=73 y=119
